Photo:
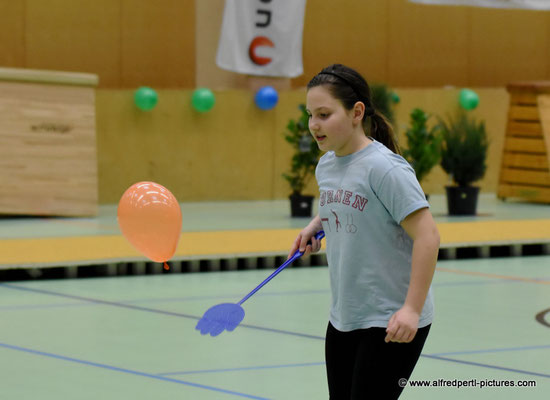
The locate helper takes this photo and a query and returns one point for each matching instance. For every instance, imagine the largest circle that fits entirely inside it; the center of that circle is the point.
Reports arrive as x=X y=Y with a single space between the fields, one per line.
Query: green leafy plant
x=383 y=99
x=464 y=149
x=306 y=152
x=423 y=152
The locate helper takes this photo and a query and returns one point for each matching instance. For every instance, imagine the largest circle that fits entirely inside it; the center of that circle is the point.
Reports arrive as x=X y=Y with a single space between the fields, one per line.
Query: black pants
x=360 y=363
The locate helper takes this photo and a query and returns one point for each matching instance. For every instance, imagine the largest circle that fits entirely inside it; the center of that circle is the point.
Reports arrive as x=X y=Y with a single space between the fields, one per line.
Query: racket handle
x=319 y=235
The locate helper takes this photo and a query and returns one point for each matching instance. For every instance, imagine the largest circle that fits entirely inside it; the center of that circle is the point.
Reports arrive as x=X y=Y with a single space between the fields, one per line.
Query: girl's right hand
x=307 y=235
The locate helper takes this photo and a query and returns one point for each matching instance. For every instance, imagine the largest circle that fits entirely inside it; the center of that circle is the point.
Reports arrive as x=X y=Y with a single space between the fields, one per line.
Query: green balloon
x=203 y=100
x=395 y=98
x=468 y=99
x=145 y=98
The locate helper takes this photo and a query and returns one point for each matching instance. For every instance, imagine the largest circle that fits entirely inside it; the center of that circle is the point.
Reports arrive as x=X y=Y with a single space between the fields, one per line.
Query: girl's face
x=333 y=127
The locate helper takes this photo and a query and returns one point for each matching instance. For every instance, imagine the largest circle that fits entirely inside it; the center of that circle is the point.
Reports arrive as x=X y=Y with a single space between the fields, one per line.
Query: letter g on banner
x=259 y=41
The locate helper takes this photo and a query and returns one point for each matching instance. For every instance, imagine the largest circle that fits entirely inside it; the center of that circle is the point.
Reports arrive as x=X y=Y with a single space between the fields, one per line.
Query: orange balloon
x=149 y=216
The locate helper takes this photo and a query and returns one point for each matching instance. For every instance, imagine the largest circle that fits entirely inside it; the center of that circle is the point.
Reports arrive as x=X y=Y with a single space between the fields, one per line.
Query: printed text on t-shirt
x=344 y=197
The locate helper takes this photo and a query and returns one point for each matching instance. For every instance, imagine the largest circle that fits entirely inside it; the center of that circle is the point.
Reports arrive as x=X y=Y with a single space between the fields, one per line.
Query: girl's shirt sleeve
x=400 y=192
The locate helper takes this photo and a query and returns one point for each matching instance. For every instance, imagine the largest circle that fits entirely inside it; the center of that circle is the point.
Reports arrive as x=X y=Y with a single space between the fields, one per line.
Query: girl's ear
x=358 y=111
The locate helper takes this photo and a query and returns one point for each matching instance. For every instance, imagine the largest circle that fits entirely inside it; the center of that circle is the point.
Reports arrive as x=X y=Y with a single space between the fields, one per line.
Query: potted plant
x=304 y=160
x=384 y=99
x=423 y=151
x=463 y=156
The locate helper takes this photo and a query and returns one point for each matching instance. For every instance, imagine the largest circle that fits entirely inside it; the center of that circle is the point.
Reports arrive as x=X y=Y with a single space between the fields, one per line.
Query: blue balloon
x=266 y=98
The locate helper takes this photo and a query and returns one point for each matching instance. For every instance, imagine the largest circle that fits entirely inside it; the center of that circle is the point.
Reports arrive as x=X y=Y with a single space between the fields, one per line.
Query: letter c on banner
x=259 y=41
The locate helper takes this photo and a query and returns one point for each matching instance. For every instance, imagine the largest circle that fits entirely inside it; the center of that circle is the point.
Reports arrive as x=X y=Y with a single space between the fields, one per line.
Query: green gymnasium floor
x=133 y=337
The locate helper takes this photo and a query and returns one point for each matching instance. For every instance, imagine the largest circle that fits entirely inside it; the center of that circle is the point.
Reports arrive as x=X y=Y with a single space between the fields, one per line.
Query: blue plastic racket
x=227 y=316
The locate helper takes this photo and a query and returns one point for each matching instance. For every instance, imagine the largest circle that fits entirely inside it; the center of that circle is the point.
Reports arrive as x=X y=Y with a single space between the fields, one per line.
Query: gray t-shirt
x=363 y=198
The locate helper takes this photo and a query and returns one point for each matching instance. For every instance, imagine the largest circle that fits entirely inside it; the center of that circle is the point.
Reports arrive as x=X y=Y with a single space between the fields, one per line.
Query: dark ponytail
x=348 y=86
x=382 y=131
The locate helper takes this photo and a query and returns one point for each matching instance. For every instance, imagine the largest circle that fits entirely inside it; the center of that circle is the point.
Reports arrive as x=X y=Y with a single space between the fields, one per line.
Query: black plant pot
x=462 y=200
x=300 y=205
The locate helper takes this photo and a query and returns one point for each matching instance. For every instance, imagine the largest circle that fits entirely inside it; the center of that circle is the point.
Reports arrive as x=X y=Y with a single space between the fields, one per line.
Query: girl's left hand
x=402 y=326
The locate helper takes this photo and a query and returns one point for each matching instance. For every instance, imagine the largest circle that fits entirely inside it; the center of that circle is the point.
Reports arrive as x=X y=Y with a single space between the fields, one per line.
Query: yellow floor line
x=243 y=242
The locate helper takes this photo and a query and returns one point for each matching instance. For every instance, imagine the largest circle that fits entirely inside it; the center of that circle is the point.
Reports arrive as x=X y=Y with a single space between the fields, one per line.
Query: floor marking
x=127 y=371
x=486 y=275
x=503 y=349
x=97 y=301
x=242 y=369
x=540 y=317
x=16 y=287
x=24 y=307
x=88 y=302
x=486 y=365
x=147 y=309
x=467 y=283
x=164 y=299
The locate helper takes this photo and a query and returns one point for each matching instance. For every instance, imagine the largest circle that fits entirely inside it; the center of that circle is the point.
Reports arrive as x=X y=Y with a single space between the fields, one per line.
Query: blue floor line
x=503 y=349
x=432 y=356
x=97 y=301
x=212 y=297
x=208 y=371
x=24 y=307
x=159 y=300
x=128 y=371
x=153 y=310
x=520 y=371
x=16 y=287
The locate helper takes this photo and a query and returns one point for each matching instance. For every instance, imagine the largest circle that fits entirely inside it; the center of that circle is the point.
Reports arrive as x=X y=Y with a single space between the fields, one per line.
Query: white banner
x=525 y=4
x=262 y=37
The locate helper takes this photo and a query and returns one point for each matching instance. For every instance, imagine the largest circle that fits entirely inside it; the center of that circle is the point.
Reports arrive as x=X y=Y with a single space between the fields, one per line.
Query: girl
x=382 y=241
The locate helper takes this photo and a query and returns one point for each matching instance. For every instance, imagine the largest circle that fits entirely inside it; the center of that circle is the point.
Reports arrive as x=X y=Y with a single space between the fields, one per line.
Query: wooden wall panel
x=234 y=156
x=427 y=46
x=12 y=33
x=238 y=152
x=137 y=146
x=209 y=17
x=352 y=33
x=158 y=43
x=69 y=35
x=508 y=45
x=172 y=43
x=199 y=157
x=546 y=51
x=406 y=44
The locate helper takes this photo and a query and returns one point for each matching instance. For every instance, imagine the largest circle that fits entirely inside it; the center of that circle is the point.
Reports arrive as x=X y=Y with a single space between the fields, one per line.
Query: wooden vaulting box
x=48 y=161
x=525 y=165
